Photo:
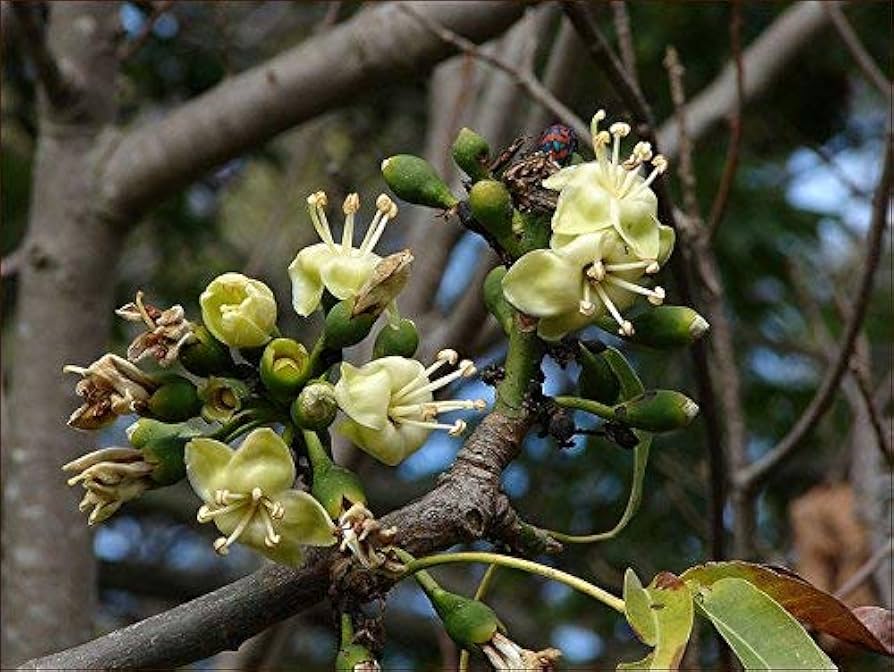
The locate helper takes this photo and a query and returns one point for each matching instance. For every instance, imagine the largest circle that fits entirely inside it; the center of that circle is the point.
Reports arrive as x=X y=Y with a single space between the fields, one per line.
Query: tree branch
x=377 y=46
x=59 y=91
x=858 y=52
x=525 y=80
x=752 y=476
x=763 y=61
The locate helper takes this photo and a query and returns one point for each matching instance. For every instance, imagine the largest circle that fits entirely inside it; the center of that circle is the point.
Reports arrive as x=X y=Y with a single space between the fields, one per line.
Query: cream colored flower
x=248 y=494
x=239 y=311
x=390 y=407
x=340 y=268
x=609 y=193
x=592 y=274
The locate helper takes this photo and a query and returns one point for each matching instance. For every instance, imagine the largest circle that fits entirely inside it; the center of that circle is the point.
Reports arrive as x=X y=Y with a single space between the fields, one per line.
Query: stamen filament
x=625 y=326
x=629 y=266
x=322 y=230
x=365 y=246
x=222 y=544
x=636 y=289
x=206 y=513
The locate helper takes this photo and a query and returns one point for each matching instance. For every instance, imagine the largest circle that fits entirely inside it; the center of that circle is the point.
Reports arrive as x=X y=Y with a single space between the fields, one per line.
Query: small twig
x=58 y=89
x=749 y=478
x=866 y=570
x=128 y=49
x=625 y=38
x=718 y=207
x=875 y=418
x=532 y=87
x=858 y=52
x=675 y=71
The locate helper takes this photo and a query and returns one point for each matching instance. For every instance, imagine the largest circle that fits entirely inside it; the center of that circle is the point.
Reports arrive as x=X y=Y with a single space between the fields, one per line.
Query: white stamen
x=586 y=306
x=657 y=293
x=629 y=266
x=659 y=164
x=597 y=271
x=626 y=328
x=653 y=268
x=222 y=544
x=315 y=204
x=350 y=208
x=618 y=130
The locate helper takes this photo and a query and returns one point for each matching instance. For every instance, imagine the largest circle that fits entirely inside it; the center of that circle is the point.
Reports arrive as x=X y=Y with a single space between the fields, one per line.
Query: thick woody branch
x=379 y=45
x=752 y=476
x=58 y=90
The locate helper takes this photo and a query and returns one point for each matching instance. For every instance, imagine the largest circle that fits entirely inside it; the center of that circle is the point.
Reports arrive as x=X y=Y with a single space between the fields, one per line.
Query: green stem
x=522 y=368
x=587 y=405
x=424 y=579
x=316 y=453
x=347 y=629
x=597 y=593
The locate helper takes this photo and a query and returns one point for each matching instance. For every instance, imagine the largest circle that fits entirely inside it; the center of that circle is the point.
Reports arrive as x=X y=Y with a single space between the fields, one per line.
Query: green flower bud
x=470 y=623
x=284 y=367
x=222 y=398
x=492 y=207
x=176 y=400
x=472 y=154
x=657 y=411
x=162 y=446
x=597 y=380
x=495 y=301
x=145 y=430
x=414 y=180
x=206 y=355
x=399 y=340
x=334 y=486
x=665 y=327
x=315 y=407
x=342 y=330
x=239 y=311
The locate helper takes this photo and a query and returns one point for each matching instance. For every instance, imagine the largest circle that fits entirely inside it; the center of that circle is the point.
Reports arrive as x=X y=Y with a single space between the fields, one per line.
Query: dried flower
x=166 y=331
x=111 y=386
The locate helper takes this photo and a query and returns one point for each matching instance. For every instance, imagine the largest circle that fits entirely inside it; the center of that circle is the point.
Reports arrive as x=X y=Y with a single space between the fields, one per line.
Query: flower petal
x=543 y=283
x=666 y=239
x=344 y=276
x=304 y=272
x=364 y=393
x=306 y=521
x=634 y=220
x=206 y=462
x=558 y=181
x=262 y=461
x=390 y=445
x=582 y=208
x=554 y=328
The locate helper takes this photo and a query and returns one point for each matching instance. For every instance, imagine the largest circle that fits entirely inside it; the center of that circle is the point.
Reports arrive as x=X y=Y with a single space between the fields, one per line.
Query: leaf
x=762 y=634
x=631 y=385
x=640 y=460
x=662 y=616
x=815 y=608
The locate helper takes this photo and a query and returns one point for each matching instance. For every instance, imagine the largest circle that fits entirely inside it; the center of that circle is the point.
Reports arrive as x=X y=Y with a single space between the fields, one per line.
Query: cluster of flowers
x=233 y=374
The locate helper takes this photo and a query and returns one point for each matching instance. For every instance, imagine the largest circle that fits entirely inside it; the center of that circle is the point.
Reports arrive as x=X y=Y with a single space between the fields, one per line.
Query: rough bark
x=64 y=278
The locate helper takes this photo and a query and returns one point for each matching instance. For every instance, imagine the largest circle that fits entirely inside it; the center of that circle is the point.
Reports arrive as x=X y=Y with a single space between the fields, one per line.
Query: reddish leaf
x=867 y=627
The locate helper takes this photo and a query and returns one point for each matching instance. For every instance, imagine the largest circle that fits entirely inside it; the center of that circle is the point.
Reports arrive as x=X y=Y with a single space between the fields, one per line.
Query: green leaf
x=661 y=615
x=815 y=608
x=763 y=635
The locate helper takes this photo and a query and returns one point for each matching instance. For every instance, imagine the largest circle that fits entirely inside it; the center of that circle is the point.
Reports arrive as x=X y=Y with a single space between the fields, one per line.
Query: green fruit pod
x=414 y=180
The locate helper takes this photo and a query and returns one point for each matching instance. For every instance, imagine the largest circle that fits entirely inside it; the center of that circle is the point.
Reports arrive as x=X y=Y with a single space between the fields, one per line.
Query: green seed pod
x=334 y=486
x=597 y=381
x=401 y=340
x=469 y=622
x=206 y=356
x=284 y=367
x=414 y=180
x=341 y=330
x=492 y=207
x=664 y=327
x=175 y=400
x=472 y=154
x=657 y=411
x=315 y=407
x=496 y=303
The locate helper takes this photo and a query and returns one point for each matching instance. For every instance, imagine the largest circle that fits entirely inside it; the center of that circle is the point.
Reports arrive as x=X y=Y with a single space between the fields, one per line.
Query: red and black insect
x=558 y=142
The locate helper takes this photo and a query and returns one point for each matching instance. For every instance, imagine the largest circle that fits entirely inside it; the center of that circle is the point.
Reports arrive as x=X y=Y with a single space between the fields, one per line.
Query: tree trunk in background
x=64 y=308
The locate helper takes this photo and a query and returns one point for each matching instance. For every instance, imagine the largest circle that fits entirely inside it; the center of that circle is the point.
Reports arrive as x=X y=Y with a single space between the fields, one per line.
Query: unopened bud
x=492 y=207
x=284 y=367
x=205 y=356
x=341 y=330
x=175 y=400
x=315 y=408
x=657 y=411
x=469 y=622
x=222 y=398
x=472 y=154
x=667 y=327
x=401 y=340
x=414 y=180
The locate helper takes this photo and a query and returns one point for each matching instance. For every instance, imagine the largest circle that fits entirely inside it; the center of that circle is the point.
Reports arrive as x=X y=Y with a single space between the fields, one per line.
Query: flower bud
x=472 y=154
x=315 y=407
x=597 y=380
x=657 y=411
x=175 y=401
x=284 y=367
x=222 y=398
x=399 y=340
x=334 y=486
x=341 y=330
x=495 y=301
x=239 y=311
x=469 y=622
x=205 y=356
x=492 y=207
x=664 y=327
x=414 y=180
